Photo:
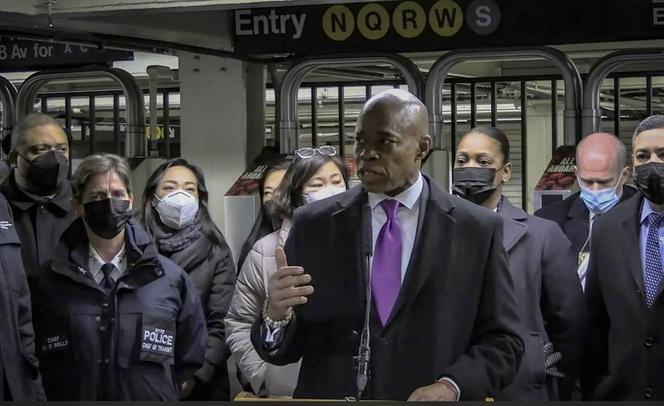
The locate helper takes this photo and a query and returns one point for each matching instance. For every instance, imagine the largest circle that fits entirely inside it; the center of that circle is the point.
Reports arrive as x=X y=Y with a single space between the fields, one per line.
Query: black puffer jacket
x=210 y=266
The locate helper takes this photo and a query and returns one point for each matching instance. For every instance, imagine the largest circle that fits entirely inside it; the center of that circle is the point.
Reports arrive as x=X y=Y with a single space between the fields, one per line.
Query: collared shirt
x=95 y=262
x=646 y=209
x=408 y=213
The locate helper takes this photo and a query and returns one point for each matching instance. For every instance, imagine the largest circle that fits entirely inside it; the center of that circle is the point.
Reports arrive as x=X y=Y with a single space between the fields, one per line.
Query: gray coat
x=550 y=301
x=18 y=364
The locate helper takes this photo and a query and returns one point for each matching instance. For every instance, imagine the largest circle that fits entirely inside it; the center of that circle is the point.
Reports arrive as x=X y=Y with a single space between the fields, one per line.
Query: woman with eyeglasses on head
x=175 y=212
x=316 y=173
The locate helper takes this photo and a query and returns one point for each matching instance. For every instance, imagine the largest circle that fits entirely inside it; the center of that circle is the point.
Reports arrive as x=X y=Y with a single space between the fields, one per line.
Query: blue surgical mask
x=600 y=201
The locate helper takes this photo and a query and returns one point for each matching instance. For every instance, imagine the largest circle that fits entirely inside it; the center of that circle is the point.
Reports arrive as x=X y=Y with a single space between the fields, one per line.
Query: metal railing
x=287 y=89
x=441 y=68
x=592 y=113
x=135 y=140
x=8 y=99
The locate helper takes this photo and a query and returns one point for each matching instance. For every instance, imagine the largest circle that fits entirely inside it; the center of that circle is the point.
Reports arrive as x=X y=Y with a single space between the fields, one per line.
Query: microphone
x=364 y=351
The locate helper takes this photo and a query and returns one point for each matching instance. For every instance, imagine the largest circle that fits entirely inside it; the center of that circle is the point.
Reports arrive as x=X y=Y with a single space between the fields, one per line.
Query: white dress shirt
x=95 y=262
x=408 y=214
x=584 y=254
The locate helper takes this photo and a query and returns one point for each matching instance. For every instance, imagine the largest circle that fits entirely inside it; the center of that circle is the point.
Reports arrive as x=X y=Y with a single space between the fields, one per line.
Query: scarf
x=187 y=247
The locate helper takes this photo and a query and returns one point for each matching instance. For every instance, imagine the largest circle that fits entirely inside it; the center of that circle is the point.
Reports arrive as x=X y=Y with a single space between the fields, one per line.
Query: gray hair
x=96 y=165
x=27 y=123
x=651 y=123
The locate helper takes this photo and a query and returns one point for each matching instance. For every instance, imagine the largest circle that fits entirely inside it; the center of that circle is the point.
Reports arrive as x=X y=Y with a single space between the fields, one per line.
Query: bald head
x=391 y=140
x=601 y=158
x=409 y=111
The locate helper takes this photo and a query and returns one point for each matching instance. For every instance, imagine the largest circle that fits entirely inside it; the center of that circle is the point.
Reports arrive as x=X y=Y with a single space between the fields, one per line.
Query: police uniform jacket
x=139 y=342
x=18 y=365
x=39 y=224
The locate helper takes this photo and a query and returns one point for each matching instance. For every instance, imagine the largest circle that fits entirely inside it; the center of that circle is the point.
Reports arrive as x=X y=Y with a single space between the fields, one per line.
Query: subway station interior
x=215 y=93
x=220 y=82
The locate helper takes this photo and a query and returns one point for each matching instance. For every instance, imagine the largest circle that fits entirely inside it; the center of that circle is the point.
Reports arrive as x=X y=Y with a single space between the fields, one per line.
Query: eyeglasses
x=309 y=152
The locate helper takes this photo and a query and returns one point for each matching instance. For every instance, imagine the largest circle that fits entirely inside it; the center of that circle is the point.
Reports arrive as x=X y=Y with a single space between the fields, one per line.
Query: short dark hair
x=99 y=164
x=650 y=123
x=288 y=195
x=27 y=123
x=148 y=214
x=498 y=136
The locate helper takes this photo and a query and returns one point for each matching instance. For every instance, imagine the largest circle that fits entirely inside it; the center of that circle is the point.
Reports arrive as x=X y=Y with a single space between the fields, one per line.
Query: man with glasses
x=443 y=319
x=37 y=187
x=601 y=171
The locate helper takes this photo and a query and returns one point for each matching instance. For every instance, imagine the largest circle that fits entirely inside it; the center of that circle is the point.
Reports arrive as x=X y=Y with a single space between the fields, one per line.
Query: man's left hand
x=438 y=392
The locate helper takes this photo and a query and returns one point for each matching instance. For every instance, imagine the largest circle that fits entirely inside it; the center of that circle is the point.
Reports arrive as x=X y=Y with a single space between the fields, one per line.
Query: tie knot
x=655 y=219
x=107 y=268
x=390 y=207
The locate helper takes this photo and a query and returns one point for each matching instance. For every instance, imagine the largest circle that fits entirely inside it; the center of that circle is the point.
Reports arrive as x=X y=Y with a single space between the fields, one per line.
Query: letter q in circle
x=373 y=21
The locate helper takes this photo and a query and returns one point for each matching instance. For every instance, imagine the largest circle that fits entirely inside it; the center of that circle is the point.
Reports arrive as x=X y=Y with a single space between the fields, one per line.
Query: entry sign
x=436 y=25
x=32 y=55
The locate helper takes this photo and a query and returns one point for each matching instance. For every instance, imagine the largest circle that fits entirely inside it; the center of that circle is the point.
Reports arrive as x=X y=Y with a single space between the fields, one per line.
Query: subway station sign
x=436 y=25
x=24 y=54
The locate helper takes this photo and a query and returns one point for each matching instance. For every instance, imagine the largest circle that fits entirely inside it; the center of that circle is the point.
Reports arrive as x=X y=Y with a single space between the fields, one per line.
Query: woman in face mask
x=315 y=174
x=542 y=266
x=114 y=320
x=175 y=212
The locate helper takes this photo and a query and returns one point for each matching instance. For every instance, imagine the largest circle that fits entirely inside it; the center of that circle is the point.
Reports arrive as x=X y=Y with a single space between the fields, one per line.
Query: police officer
x=114 y=320
x=37 y=187
x=19 y=369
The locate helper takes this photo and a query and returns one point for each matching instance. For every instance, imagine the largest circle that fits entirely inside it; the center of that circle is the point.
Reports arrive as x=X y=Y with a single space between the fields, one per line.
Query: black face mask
x=649 y=179
x=107 y=217
x=47 y=172
x=474 y=184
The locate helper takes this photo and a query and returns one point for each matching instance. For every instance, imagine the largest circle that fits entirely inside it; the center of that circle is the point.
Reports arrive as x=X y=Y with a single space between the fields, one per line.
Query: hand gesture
x=287 y=287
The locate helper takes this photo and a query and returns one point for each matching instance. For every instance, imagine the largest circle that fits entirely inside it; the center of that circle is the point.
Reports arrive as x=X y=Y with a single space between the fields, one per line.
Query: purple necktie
x=386 y=268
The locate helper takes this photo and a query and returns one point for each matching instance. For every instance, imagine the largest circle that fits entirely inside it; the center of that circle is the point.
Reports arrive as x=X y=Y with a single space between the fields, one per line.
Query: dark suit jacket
x=456 y=314
x=625 y=339
x=573 y=217
x=550 y=302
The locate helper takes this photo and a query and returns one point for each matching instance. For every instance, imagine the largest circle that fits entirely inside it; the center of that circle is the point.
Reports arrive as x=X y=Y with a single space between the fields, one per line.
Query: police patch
x=54 y=343
x=158 y=341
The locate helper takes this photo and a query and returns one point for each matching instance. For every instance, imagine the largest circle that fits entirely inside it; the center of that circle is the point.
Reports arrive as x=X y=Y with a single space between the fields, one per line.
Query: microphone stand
x=364 y=351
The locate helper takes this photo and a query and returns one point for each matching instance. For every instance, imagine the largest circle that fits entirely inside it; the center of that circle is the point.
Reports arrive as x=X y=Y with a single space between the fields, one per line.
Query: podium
x=250 y=397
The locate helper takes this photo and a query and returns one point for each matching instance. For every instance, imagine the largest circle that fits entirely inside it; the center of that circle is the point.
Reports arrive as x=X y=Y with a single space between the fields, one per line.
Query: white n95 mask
x=177 y=209
x=323 y=193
